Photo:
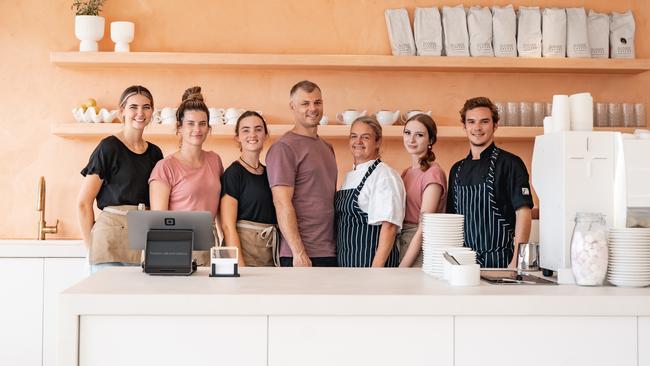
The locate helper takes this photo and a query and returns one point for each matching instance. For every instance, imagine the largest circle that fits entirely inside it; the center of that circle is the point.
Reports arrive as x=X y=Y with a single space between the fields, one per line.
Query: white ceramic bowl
x=90 y=116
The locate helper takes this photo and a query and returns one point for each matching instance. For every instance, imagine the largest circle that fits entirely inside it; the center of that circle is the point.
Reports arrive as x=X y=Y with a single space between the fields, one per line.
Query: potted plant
x=89 y=26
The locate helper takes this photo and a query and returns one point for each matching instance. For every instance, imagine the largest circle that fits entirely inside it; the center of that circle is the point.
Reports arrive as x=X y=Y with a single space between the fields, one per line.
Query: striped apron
x=356 y=241
x=486 y=230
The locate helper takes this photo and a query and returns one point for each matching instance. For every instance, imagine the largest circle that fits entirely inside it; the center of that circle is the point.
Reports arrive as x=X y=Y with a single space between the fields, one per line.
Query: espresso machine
x=587 y=171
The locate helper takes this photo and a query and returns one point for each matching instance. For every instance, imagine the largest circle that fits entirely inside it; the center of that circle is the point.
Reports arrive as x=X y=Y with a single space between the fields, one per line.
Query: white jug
x=349 y=115
x=386 y=117
x=412 y=113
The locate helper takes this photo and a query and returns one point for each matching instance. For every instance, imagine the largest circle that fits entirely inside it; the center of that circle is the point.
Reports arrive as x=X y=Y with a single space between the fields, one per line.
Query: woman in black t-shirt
x=116 y=176
x=247 y=213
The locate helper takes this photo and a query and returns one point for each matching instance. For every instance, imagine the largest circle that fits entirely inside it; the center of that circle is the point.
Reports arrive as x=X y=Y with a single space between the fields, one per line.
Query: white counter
x=260 y=317
x=20 y=248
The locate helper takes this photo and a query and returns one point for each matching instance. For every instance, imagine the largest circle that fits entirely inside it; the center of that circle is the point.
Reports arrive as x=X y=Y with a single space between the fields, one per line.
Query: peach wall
x=36 y=93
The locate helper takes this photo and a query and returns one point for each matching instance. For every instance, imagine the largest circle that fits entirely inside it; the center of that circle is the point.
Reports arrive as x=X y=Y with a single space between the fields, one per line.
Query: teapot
x=217 y=116
x=349 y=115
x=385 y=117
x=412 y=113
x=232 y=114
x=165 y=116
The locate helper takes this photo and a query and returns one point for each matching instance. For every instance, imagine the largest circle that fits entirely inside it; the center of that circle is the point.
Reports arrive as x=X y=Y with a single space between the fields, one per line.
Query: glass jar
x=589 y=249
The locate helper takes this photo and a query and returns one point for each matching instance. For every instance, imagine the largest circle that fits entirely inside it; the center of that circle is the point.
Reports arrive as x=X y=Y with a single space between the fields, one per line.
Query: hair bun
x=193 y=93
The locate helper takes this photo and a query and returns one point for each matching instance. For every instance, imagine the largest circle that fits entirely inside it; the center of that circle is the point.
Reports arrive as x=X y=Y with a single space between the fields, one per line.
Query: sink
x=510 y=277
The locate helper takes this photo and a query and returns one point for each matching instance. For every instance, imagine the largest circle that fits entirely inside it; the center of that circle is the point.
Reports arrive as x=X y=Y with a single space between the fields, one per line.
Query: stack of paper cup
x=561 y=113
x=582 y=112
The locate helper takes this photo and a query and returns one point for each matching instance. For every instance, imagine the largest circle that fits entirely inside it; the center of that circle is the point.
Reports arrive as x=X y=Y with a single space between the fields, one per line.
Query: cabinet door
x=60 y=273
x=110 y=340
x=644 y=341
x=21 y=311
x=360 y=340
x=545 y=340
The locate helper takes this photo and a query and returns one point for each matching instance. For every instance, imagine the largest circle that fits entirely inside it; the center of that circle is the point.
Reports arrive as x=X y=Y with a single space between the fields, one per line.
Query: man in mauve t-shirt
x=302 y=174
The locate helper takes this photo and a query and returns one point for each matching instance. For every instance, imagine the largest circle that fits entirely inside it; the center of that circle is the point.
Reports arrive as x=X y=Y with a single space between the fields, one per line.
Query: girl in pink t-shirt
x=425 y=183
x=190 y=178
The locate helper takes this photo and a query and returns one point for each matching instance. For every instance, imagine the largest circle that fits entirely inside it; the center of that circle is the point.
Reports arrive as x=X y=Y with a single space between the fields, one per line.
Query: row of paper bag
x=502 y=32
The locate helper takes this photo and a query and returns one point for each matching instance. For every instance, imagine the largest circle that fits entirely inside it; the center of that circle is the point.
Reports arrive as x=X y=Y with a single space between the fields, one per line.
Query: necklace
x=250 y=166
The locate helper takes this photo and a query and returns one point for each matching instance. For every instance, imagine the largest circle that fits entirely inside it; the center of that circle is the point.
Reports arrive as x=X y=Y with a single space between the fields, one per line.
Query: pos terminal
x=168 y=239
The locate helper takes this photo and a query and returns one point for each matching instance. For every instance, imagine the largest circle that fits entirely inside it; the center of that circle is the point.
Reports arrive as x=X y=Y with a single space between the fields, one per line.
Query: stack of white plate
x=441 y=233
x=629 y=257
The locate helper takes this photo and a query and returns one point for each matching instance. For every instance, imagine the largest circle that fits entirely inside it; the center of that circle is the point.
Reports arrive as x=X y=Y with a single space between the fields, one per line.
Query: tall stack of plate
x=440 y=233
x=629 y=257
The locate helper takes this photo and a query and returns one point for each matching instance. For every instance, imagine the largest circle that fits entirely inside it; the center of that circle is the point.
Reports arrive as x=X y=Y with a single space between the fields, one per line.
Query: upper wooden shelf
x=350 y=62
x=94 y=130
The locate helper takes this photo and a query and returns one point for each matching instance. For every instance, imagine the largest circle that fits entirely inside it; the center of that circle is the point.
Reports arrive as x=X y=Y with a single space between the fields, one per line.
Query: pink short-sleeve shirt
x=192 y=189
x=415 y=182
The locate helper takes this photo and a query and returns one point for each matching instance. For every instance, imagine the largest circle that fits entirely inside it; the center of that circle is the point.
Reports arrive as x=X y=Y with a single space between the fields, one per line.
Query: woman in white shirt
x=370 y=205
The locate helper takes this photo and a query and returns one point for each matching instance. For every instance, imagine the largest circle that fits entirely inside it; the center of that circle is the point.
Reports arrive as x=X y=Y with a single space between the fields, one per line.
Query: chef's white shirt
x=382 y=197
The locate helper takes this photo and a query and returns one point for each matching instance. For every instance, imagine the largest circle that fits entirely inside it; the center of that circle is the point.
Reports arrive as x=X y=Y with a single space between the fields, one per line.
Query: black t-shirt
x=511 y=184
x=124 y=173
x=252 y=192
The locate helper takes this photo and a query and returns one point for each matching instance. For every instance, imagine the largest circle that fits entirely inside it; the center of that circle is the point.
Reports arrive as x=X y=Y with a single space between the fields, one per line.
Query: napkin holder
x=223 y=262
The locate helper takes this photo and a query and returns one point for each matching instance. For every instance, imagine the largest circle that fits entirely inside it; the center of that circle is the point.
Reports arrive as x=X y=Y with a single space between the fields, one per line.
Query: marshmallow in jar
x=589 y=249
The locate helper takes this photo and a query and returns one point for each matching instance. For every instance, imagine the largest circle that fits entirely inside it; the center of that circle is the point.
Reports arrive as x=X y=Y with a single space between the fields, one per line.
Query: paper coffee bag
x=577 y=38
x=598 y=30
x=529 y=32
x=554 y=32
x=454 y=27
x=504 y=31
x=621 y=35
x=428 y=31
x=479 y=27
x=399 y=32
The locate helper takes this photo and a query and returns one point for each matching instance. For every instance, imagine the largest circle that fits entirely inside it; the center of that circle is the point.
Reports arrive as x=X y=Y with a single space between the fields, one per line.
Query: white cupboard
x=172 y=340
x=361 y=340
x=545 y=340
x=60 y=273
x=644 y=341
x=21 y=311
x=32 y=274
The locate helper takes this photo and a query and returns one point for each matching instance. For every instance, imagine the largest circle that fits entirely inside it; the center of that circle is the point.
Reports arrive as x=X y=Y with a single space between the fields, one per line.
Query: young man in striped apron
x=491 y=188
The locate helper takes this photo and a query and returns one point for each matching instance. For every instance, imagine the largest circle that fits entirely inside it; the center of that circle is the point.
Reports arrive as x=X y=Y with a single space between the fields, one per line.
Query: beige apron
x=109 y=240
x=404 y=239
x=259 y=243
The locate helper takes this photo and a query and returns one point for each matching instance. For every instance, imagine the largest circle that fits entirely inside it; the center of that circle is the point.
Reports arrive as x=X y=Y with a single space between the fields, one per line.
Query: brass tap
x=40 y=207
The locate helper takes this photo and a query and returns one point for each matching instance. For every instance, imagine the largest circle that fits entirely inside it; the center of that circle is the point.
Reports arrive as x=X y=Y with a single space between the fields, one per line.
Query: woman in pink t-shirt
x=190 y=178
x=425 y=183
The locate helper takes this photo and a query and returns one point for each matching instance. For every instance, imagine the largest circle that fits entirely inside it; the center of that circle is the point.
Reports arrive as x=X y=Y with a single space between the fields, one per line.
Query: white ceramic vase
x=122 y=34
x=88 y=29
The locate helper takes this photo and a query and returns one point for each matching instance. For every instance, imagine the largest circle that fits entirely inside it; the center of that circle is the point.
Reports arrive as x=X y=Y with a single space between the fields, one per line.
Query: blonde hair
x=133 y=90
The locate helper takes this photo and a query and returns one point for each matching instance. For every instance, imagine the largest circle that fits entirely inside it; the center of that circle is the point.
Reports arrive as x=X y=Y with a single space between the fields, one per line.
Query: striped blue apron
x=356 y=241
x=486 y=230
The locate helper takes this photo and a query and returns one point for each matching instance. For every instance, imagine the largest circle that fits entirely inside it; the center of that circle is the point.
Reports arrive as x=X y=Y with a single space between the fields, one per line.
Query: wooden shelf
x=350 y=62
x=94 y=130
